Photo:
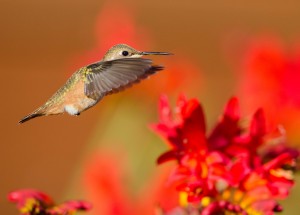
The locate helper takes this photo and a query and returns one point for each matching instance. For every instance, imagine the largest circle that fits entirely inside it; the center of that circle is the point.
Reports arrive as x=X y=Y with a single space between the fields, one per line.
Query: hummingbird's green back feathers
x=109 y=77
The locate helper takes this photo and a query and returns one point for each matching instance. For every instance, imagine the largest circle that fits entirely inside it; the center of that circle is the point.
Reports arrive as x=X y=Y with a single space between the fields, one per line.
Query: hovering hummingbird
x=120 y=67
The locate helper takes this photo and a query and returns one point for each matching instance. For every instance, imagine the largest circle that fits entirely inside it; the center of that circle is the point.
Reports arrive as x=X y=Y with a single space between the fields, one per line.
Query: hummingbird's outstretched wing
x=109 y=77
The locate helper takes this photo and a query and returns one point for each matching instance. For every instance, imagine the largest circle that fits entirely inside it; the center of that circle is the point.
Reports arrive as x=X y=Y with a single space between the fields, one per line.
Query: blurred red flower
x=222 y=171
x=269 y=78
x=107 y=187
x=114 y=24
x=33 y=202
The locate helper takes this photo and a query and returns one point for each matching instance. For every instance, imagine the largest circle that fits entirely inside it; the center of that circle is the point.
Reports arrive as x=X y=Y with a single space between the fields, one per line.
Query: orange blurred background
x=43 y=42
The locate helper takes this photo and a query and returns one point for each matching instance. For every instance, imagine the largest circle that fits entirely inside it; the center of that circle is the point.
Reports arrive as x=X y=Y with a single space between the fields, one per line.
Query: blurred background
x=250 y=49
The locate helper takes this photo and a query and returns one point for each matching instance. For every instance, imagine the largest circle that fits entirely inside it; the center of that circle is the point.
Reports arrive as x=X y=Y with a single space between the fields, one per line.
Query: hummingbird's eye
x=125 y=53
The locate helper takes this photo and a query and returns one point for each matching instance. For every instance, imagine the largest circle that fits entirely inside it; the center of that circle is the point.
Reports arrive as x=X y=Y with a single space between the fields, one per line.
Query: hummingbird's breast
x=70 y=98
x=75 y=100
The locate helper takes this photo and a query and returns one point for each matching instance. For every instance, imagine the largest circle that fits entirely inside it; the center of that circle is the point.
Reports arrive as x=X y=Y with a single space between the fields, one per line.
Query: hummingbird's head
x=125 y=51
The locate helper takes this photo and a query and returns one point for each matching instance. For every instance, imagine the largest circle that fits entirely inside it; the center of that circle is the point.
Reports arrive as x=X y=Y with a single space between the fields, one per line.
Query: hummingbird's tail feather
x=37 y=113
x=30 y=116
x=154 y=69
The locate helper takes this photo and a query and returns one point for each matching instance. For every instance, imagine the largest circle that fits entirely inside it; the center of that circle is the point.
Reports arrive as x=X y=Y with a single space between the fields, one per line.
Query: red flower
x=185 y=131
x=115 y=24
x=33 y=202
x=104 y=186
x=225 y=170
x=269 y=78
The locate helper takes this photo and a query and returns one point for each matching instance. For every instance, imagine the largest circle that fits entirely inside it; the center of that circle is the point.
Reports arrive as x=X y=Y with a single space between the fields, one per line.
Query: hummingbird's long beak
x=156 y=53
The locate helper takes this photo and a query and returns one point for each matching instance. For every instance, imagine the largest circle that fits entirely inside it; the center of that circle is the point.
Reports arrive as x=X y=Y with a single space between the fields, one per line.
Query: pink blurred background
x=250 y=49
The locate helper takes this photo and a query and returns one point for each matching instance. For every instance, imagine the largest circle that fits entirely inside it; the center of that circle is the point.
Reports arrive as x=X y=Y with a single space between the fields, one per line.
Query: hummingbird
x=120 y=68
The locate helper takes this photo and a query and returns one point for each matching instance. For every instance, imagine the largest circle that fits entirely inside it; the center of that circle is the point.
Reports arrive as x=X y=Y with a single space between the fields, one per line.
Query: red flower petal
x=258 y=124
x=169 y=155
x=21 y=196
x=227 y=128
x=232 y=109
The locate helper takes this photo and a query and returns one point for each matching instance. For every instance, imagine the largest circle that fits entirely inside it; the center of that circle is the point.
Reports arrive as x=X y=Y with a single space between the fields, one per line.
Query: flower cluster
x=229 y=170
x=32 y=202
